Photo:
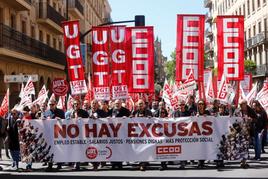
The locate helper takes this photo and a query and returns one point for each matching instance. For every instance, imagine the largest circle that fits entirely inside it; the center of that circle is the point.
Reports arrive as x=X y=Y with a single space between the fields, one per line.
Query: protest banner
x=134 y=139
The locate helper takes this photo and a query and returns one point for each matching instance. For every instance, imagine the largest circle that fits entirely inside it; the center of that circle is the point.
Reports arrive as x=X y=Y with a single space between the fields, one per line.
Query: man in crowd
x=191 y=105
x=119 y=111
x=74 y=114
x=142 y=111
x=53 y=112
x=249 y=115
x=259 y=127
x=3 y=134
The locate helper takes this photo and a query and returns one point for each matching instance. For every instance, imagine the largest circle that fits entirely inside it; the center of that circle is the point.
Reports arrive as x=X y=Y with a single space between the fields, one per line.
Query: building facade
x=255 y=13
x=31 y=37
x=159 y=61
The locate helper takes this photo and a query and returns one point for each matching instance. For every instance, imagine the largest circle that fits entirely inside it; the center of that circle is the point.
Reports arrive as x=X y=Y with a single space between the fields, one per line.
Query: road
x=257 y=169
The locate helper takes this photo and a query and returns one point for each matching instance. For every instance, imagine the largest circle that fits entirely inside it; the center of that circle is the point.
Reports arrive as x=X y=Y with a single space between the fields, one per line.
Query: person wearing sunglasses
x=53 y=112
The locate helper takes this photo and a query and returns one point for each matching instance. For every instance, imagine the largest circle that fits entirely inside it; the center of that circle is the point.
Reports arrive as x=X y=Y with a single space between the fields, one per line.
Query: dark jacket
x=261 y=121
x=120 y=112
x=181 y=114
x=13 y=134
x=160 y=113
x=142 y=113
x=53 y=114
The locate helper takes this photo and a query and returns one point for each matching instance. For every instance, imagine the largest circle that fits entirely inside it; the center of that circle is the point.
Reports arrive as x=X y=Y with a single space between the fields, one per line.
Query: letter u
x=118 y=32
x=104 y=37
x=67 y=32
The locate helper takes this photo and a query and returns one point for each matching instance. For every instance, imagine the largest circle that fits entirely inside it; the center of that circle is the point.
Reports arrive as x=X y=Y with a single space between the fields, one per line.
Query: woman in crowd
x=201 y=111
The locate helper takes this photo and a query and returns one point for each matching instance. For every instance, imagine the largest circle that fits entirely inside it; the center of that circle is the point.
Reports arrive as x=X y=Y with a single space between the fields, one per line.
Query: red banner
x=101 y=63
x=73 y=57
x=140 y=53
x=119 y=63
x=230 y=37
x=190 y=46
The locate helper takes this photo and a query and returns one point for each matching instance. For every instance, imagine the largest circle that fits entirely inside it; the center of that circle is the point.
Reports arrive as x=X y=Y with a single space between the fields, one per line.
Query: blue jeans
x=257 y=144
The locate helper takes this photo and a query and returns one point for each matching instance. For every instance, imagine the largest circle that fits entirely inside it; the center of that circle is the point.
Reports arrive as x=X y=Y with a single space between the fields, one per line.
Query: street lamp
x=139 y=21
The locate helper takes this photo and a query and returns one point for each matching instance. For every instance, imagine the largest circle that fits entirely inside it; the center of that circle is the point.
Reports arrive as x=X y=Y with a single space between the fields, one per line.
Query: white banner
x=134 y=139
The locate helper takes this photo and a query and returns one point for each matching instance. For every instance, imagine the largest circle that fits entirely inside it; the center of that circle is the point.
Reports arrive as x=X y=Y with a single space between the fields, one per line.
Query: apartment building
x=31 y=37
x=256 y=30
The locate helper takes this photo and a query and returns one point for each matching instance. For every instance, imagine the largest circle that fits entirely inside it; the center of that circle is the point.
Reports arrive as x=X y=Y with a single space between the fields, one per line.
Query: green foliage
x=250 y=66
x=170 y=67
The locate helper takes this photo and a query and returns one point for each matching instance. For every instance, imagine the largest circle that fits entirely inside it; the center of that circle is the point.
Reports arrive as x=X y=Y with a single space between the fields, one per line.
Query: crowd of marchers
x=9 y=125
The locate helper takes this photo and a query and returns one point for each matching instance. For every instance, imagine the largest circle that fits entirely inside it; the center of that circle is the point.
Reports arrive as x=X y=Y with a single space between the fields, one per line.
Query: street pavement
x=257 y=169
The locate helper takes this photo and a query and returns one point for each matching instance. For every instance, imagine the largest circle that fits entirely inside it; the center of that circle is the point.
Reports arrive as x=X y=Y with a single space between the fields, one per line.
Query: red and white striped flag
x=61 y=103
x=252 y=94
x=209 y=89
x=70 y=103
x=42 y=96
x=29 y=87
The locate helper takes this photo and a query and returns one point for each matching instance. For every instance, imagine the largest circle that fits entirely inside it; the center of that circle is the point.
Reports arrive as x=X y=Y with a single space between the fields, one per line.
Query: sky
x=162 y=14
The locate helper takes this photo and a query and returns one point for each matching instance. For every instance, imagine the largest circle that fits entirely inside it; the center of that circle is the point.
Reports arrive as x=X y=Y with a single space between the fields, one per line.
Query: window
x=254 y=30
x=259 y=27
x=40 y=35
x=249 y=33
x=258 y=3
x=265 y=25
x=60 y=45
x=32 y=31
x=253 y=5
x=244 y=9
x=48 y=39
x=54 y=43
x=248 y=7
x=1 y=15
x=240 y=13
x=13 y=21
x=264 y=1
x=23 y=27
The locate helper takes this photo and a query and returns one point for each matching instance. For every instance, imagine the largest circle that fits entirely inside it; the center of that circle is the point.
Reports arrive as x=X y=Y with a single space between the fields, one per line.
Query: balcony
x=261 y=38
x=248 y=44
x=12 y=40
x=207 y=3
x=76 y=9
x=261 y=70
x=19 y=5
x=50 y=18
x=209 y=17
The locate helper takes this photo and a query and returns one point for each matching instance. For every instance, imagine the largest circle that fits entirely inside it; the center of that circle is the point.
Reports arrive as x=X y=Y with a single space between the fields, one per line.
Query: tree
x=250 y=66
x=170 y=67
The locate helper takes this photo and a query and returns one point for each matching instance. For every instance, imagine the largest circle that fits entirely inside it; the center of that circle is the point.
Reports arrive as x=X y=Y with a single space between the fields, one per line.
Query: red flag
x=119 y=63
x=140 y=55
x=101 y=63
x=230 y=38
x=190 y=46
x=5 y=104
x=73 y=57
x=89 y=95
